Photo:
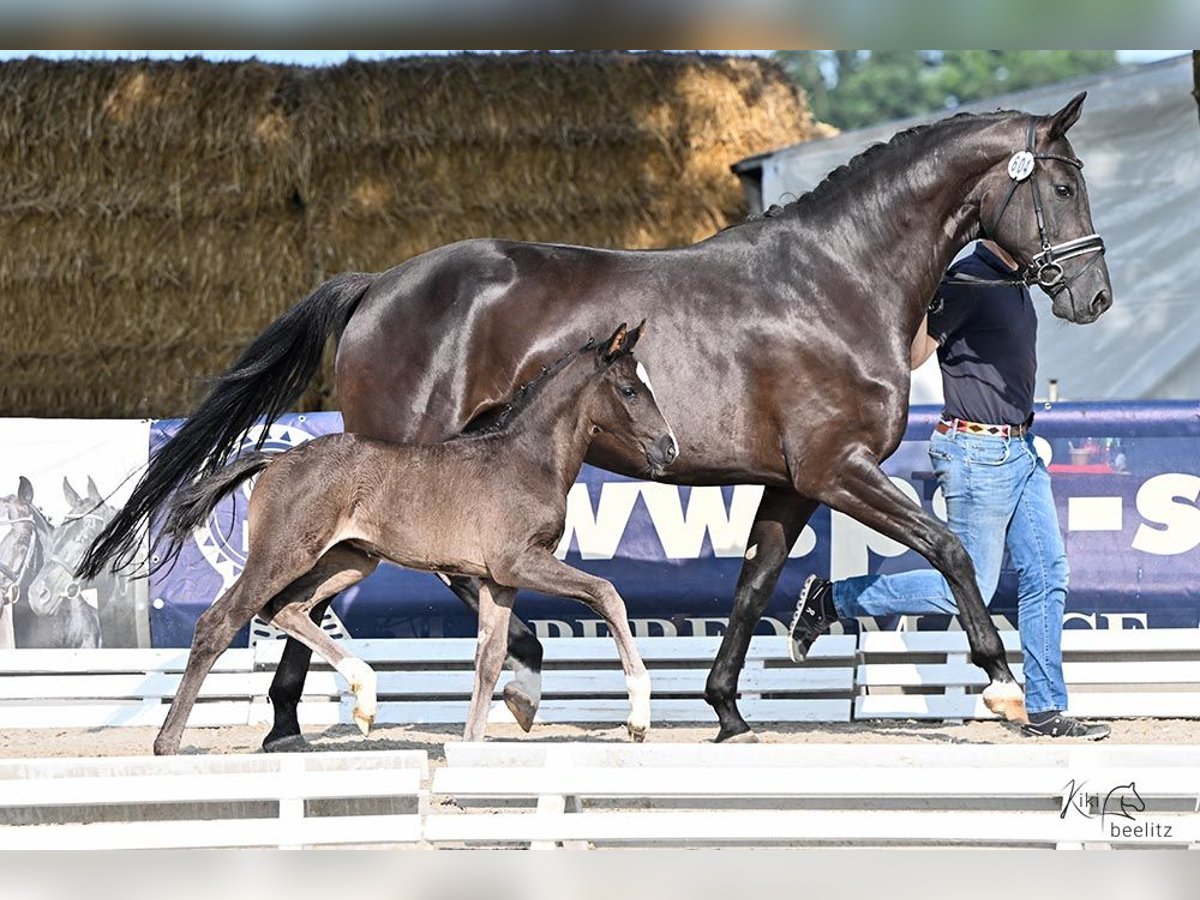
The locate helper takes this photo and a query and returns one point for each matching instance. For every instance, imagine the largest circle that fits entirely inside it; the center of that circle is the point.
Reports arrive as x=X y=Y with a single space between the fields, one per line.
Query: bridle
x=15 y=573
x=1045 y=269
x=73 y=589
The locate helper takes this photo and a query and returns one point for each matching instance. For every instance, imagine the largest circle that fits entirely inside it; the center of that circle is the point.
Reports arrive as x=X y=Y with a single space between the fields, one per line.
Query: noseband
x=1045 y=269
x=15 y=573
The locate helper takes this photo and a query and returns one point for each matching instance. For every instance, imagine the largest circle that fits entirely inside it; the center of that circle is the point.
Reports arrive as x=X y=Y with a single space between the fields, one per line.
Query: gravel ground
x=118 y=741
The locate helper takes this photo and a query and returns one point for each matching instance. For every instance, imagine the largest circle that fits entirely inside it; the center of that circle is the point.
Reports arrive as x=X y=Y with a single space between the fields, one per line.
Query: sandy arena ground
x=120 y=741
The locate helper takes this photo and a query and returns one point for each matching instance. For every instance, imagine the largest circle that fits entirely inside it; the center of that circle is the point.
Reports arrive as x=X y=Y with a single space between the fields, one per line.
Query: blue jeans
x=997 y=496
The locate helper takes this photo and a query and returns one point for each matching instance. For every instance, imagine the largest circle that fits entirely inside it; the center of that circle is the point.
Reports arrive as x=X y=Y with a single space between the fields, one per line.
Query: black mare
x=779 y=347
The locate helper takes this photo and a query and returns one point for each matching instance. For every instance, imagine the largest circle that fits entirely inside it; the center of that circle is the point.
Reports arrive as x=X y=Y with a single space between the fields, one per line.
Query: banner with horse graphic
x=1126 y=480
x=65 y=479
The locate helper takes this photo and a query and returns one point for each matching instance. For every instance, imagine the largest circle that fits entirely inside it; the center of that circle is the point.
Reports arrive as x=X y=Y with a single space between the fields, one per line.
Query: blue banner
x=1126 y=482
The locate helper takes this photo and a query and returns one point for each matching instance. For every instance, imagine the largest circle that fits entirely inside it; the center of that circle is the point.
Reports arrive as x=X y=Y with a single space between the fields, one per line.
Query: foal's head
x=623 y=405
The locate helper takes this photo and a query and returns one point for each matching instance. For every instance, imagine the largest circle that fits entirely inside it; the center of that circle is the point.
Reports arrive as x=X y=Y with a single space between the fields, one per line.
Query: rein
x=1045 y=269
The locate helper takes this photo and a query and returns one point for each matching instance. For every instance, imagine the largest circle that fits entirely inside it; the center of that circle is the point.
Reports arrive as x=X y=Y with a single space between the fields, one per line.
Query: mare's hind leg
x=542 y=571
x=523 y=694
x=339 y=568
x=777 y=524
x=860 y=489
x=495 y=613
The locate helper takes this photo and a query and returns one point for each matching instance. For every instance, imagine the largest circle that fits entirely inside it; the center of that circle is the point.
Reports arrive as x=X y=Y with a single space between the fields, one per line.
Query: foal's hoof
x=637 y=733
x=520 y=704
x=1005 y=699
x=741 y=737
x=292 y=743
x=364 y=722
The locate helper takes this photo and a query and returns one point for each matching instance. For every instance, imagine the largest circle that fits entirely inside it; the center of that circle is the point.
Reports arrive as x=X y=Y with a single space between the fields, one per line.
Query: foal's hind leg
x=215 y=629
x=860 y=489
x=339 y=568
x=523 y=694
x=495 y=612
x=542 y=571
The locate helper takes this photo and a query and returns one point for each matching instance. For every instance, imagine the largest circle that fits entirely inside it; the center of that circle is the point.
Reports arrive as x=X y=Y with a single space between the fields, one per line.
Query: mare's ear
x=1062 y=120
x=632 y=339
x=614 y=345
x=25 y=490
x=69 y=493
x=93 y=493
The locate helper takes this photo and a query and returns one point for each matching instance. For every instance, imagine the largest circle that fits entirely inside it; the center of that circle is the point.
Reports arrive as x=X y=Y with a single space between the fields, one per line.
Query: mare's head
x=624 y=406
x=1035 y=205
x=57 y=580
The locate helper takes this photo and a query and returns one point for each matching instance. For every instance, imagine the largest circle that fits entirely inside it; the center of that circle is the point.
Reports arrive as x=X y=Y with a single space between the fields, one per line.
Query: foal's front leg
x=540 y=570
x=495 y=613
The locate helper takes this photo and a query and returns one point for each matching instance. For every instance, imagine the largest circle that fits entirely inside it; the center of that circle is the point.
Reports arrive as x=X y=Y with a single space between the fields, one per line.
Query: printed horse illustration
x=71 y=610
x=26 y=532
x=490 y=505
x=780 y=350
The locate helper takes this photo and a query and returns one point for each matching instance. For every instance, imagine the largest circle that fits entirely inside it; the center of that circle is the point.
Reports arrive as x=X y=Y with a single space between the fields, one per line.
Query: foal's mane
x=498 y=418
x=876 y=153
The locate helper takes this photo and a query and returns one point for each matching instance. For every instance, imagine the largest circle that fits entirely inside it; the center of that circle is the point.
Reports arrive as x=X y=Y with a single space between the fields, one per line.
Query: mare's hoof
x=741 y=737
x=291 y=743
x=520 y=704
x=1006 y=700
x=636 y=734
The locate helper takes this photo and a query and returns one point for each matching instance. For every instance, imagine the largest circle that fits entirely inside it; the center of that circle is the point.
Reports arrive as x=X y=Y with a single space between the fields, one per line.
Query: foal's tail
x=268 y=379
x=189 y=507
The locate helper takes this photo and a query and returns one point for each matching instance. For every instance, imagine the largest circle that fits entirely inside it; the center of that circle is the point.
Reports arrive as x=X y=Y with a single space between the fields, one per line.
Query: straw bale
x=126 y=136
x=155 y=216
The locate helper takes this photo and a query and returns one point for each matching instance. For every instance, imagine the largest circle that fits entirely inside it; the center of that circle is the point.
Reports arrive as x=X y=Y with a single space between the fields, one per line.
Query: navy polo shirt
x=987 y=343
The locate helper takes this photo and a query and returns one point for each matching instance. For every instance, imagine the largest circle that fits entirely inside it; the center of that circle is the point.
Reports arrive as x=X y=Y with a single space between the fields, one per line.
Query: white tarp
x=1139 y=138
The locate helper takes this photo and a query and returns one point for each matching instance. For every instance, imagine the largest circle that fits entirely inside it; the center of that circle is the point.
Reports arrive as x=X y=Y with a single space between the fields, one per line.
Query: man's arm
x=923 y=345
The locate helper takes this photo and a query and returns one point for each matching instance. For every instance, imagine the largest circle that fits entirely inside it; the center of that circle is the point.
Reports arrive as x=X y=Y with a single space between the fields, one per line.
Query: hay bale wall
x=155 y=216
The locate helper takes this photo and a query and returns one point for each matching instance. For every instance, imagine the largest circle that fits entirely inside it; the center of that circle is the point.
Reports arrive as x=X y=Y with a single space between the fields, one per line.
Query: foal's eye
x=1063 y=190
x=628 y=392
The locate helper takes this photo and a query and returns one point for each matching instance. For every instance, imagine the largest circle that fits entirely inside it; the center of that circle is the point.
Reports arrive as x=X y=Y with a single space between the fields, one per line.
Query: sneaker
x=1058 y=725
x=814 y=614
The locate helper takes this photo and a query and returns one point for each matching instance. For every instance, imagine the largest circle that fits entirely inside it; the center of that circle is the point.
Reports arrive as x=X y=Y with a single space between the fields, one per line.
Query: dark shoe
x=814 y=614
x=1058 y=725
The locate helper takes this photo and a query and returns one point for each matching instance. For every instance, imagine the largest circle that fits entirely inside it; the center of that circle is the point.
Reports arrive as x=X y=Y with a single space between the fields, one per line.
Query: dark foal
x=490 y=506
x=805 y=392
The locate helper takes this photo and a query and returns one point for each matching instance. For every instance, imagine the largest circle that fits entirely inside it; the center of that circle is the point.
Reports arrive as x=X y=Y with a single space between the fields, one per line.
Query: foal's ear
x=1062 y=120
x=25 y=490
x=632 y=338
x=610 y=349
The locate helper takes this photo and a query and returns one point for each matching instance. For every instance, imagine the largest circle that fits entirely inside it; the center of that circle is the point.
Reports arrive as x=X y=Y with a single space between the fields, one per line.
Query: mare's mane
x=876 y=153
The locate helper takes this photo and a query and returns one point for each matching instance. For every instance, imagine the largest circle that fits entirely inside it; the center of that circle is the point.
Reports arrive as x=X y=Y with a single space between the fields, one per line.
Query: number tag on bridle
x=1020 y=166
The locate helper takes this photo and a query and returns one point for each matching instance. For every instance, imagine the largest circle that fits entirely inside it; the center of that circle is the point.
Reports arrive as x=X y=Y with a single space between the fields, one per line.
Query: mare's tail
x=267 y=379
x=189 y=507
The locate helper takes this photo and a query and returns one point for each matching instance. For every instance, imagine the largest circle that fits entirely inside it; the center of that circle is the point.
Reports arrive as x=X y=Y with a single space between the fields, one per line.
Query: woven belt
x=981 y=429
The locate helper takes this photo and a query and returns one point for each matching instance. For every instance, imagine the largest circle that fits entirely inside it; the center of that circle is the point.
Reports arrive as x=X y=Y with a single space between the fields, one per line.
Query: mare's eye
x=1063 y=190
x=628 y=392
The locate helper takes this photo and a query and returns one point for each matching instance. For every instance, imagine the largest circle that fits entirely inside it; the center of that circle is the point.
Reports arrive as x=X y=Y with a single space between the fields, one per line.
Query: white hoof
x=1007 y=700
x=362 y=681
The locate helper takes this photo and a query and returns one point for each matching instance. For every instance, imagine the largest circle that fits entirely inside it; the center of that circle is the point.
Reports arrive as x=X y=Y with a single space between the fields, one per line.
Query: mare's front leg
x=495 y=612
x=781 y=516
x=539 y=570
x=860 y=489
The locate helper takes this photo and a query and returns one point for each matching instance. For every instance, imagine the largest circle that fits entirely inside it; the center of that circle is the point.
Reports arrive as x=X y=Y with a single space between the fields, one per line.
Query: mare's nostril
x=1100 y=303
x=668 y=449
